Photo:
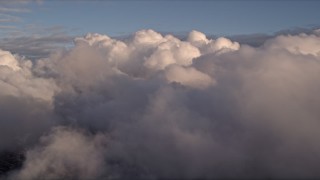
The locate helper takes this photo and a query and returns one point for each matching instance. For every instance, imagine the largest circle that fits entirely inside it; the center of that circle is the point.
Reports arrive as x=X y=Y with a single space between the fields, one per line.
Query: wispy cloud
x=8 y=27
x=9 y=18
x=35 y=46
x=11 y=12
x=18 y=1
x=14 y=10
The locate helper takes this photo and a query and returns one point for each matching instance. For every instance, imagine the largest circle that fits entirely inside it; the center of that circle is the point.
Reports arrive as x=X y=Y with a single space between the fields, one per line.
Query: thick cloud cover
x=153 y=106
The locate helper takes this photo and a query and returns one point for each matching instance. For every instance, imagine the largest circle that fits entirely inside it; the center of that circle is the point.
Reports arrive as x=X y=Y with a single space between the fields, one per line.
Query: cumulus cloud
x=26 y=102
x=155 y=106
x=206 y=46
x=18 y=80
x=7 y=59
x=299 y=44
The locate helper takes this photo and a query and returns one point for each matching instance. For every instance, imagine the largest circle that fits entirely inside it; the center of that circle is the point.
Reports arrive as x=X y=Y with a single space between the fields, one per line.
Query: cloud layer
x=154 y=106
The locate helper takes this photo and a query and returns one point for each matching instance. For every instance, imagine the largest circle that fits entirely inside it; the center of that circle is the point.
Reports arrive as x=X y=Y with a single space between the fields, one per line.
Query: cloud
x=188 y=77
x=155 y=106
x=65 y=153
x=7 y=59
x=9 y=18
x=11 y=15
x=18 y=80
x=35 y=46
x=7 y=27
x=18 y=1
x=259 y=39
x=26 y=102
x=299 y=44
x=14 y=10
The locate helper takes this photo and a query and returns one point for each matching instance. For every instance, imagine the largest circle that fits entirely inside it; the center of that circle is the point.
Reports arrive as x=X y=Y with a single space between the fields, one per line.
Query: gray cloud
x=57 y=158
x=257 y=40
x=36 y=46
x=154 y=106
x=7 y=27
x=13 y=10
x=11 y=15
x=9 y=18
x=18 y=1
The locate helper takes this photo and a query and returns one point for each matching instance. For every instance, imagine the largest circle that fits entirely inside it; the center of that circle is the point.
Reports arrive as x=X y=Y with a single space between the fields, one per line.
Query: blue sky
x=215 y=17
x=35 y=28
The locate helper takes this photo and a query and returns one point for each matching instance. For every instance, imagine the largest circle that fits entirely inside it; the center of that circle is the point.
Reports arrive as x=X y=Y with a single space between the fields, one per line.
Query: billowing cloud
x=299 y=44
x=206 y=46
x=65 y=153
x=155 y=106
x=25 y=100
x=18 y=80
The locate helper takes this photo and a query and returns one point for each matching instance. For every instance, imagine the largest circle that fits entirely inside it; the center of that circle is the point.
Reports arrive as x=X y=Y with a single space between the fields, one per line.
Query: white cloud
x=299 y=44
x=147 y=37
x=206 y=46
x=18 y=80
x=201 y=108
x=197 y=37
x=172 y=51
x=8 y=60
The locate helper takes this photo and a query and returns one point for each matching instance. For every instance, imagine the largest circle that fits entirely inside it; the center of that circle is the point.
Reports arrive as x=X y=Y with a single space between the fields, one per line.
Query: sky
x=124 y=17
x=197 y=89
x=37 y=27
